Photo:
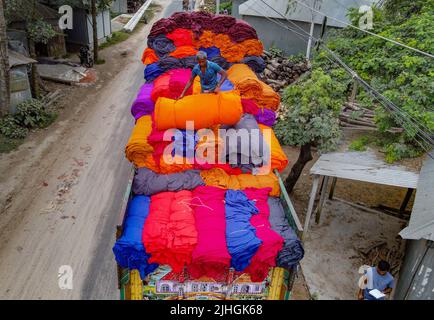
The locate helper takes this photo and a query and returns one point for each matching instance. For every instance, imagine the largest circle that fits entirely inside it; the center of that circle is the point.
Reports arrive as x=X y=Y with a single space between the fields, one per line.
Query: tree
x=309 y=117
x=94 y=31
x=4 y=65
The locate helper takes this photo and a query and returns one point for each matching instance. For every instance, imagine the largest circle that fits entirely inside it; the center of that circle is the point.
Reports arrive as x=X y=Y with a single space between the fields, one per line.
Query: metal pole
x=312 y=26
x=217 y=6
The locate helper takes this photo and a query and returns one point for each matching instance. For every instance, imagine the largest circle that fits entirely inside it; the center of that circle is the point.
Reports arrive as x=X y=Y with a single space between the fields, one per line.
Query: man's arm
x=187 y=86
x=223 y=77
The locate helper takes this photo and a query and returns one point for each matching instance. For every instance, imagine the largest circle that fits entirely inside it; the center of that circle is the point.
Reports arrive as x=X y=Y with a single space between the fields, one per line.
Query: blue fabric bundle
x=222 y=62
x=189 y=62
x=292 y=251
x=257 y=64
x=240 y=234
x=170 y=63
x=129 y=249
x=183 y=144
x=226 y=85
x=211 y=52
x=152 y=71
x=161 y=45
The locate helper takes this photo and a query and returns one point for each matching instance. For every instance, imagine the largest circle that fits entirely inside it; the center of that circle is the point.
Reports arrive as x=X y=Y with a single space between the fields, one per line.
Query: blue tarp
x=240 y=234
x=129 y=249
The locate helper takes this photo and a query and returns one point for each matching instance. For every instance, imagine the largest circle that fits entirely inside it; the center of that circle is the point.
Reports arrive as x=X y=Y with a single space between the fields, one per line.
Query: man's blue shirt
x=379 y=282
x=208 y=81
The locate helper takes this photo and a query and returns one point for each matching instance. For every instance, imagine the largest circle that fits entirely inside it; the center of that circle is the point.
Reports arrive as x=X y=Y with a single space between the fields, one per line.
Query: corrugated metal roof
x=17 y=59
x=364 y=166
x=334 y=8
x=421 y=225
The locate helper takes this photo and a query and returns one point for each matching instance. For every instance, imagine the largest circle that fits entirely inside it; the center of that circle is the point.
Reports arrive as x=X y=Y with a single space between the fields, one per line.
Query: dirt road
x=61 y=191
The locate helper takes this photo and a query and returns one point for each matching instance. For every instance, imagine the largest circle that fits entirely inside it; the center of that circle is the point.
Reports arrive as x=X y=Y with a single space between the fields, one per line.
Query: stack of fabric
x=196 y=213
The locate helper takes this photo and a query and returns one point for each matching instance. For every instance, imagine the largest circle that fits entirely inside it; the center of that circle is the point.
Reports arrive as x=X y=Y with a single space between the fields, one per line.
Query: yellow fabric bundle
x=279 y=160
x=217 y=177
x=138 y=148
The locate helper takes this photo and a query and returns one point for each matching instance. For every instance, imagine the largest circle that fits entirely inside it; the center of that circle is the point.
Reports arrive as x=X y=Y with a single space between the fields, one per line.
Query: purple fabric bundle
x=222 y=23
x=182 y=20
x=170 y=63
x=143 y=105
x=202 y=18
x=161 y=45
x=241 y=31
x=257 y=64
x=266 y=117
x=162 y=26
x=189 y=62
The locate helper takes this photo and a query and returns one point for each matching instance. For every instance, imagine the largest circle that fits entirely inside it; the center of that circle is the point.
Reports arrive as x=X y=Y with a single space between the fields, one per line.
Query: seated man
x=207 y=71
x=377 y=278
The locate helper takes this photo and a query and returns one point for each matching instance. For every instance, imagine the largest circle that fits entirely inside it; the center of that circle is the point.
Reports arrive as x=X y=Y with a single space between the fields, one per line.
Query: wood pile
x=354 y=116
x=281 y=72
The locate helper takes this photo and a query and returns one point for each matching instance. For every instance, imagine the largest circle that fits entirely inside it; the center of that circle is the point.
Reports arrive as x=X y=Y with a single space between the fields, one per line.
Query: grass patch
x=115 y=38
x=8 y=144
x=360 y=144
x=100 y=61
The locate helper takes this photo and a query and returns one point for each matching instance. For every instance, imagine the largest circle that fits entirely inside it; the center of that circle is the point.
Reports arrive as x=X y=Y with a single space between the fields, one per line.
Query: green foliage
x=10 y=128
x=360 y=144
x=397 y=151
x=32 y=114
x=116 y=37
x=310 y=112
x=40 y=31
x=226 y=5
x=403 y=76
x=275 y=52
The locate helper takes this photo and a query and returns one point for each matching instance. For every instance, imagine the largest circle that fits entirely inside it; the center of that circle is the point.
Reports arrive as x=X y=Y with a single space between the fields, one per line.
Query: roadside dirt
x=62 y=189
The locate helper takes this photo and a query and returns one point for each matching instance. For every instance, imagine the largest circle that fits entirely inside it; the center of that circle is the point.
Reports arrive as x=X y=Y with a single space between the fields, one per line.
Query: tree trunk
x=304 y=157
x=34 y=83
x=94 y=29
x=4 y=65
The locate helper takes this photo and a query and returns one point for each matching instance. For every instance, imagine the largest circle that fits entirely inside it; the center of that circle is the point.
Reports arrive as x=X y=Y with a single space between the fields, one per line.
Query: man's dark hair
x=383 y=265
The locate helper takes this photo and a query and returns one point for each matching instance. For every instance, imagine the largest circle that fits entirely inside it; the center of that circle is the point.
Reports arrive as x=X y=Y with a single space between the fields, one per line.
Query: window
x=257 y=288
x=235 y=289
x=194 y=287
x=245 y=289
x=165 y=288
x=203 y=287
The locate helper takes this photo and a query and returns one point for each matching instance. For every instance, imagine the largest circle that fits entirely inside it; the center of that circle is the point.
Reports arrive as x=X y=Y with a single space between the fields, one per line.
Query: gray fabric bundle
x=292 y=251
x=147 y=182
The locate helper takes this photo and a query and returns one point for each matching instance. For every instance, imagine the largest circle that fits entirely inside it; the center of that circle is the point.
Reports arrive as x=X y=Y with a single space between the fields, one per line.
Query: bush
x=359 y=144
x=10 y=128
x=32 y=114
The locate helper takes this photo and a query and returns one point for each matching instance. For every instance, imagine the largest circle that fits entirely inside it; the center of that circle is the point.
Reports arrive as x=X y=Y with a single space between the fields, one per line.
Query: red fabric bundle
x=272 y=242
x=181 y=19
x=241 y=31
x=169 y=234
x=181 y=37
x=171 y=84
x=149 y=56
x=162 y=26
x=250 y=106
x=222 y=23
x=210 y=257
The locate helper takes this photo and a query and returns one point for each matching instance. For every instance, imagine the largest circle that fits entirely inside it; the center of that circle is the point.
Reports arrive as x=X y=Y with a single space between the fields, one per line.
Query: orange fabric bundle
x=233 y=53
x=250 y=87
x=181 y=37
x=169 y=233
x=138 y=148
x=222 y=41
x=206 y=40
x=279 y=159
x=183 y=51
x=208 y=142
x=177 y=164
x=252 y=47
x=219 y=178
x=205 y=110
x=149 y=56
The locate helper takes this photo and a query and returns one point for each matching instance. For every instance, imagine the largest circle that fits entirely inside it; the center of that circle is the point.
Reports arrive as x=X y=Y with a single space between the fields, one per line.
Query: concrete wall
x=416 y=278
x=119 y=6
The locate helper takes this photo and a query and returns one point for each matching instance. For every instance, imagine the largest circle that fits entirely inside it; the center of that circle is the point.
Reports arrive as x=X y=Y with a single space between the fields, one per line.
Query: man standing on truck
x=207 y=71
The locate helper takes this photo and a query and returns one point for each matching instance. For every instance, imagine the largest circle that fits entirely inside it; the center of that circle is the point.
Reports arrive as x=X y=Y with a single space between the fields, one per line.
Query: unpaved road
x=61 y=191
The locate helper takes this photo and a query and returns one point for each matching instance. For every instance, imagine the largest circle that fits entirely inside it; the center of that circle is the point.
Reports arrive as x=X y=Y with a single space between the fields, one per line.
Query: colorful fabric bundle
x=162 y=26
x=241 y=31
x=252 y=47
x=272 y=242
x=171 y=84
x=147 y=182
x=129 y=250
x=221 y=108
x=226 y=85
x=211 y=52
x=206 y=40
x=152 y=71
x=222 y=23
x=249 y=106
x=279 y=160
x=169 y=63
x=181 y=37
x=222 y=41
x=266 y=117
x=210 y=257
x=183 y=52
x=149 y=56
x=161 y=45
x=233 y=53
x=257 y=64
x=221 y=62
x=240 y=234
x=189 y=62
x=250 y=87
x=219 y=178
x=169 y=234
x=138 y=148
x=202 y=19
x=292 y=251
x=181 y=19
x=143 y=105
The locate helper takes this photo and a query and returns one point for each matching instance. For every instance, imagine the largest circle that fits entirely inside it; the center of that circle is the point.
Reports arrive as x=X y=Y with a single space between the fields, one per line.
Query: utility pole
x=4 y=64
x=217 y=6
x=312 y=27
x=94 y=29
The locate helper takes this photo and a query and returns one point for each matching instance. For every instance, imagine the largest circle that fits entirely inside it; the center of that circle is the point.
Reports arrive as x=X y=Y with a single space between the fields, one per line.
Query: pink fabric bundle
x=250 y=106
x=181 y=37
x=210 y=257
x=171 y=84
x=272 y=242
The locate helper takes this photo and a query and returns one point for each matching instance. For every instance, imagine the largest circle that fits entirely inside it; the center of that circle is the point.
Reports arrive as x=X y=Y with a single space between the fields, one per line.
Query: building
x=416 y=278
x=119 y=6
x=272 y=34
